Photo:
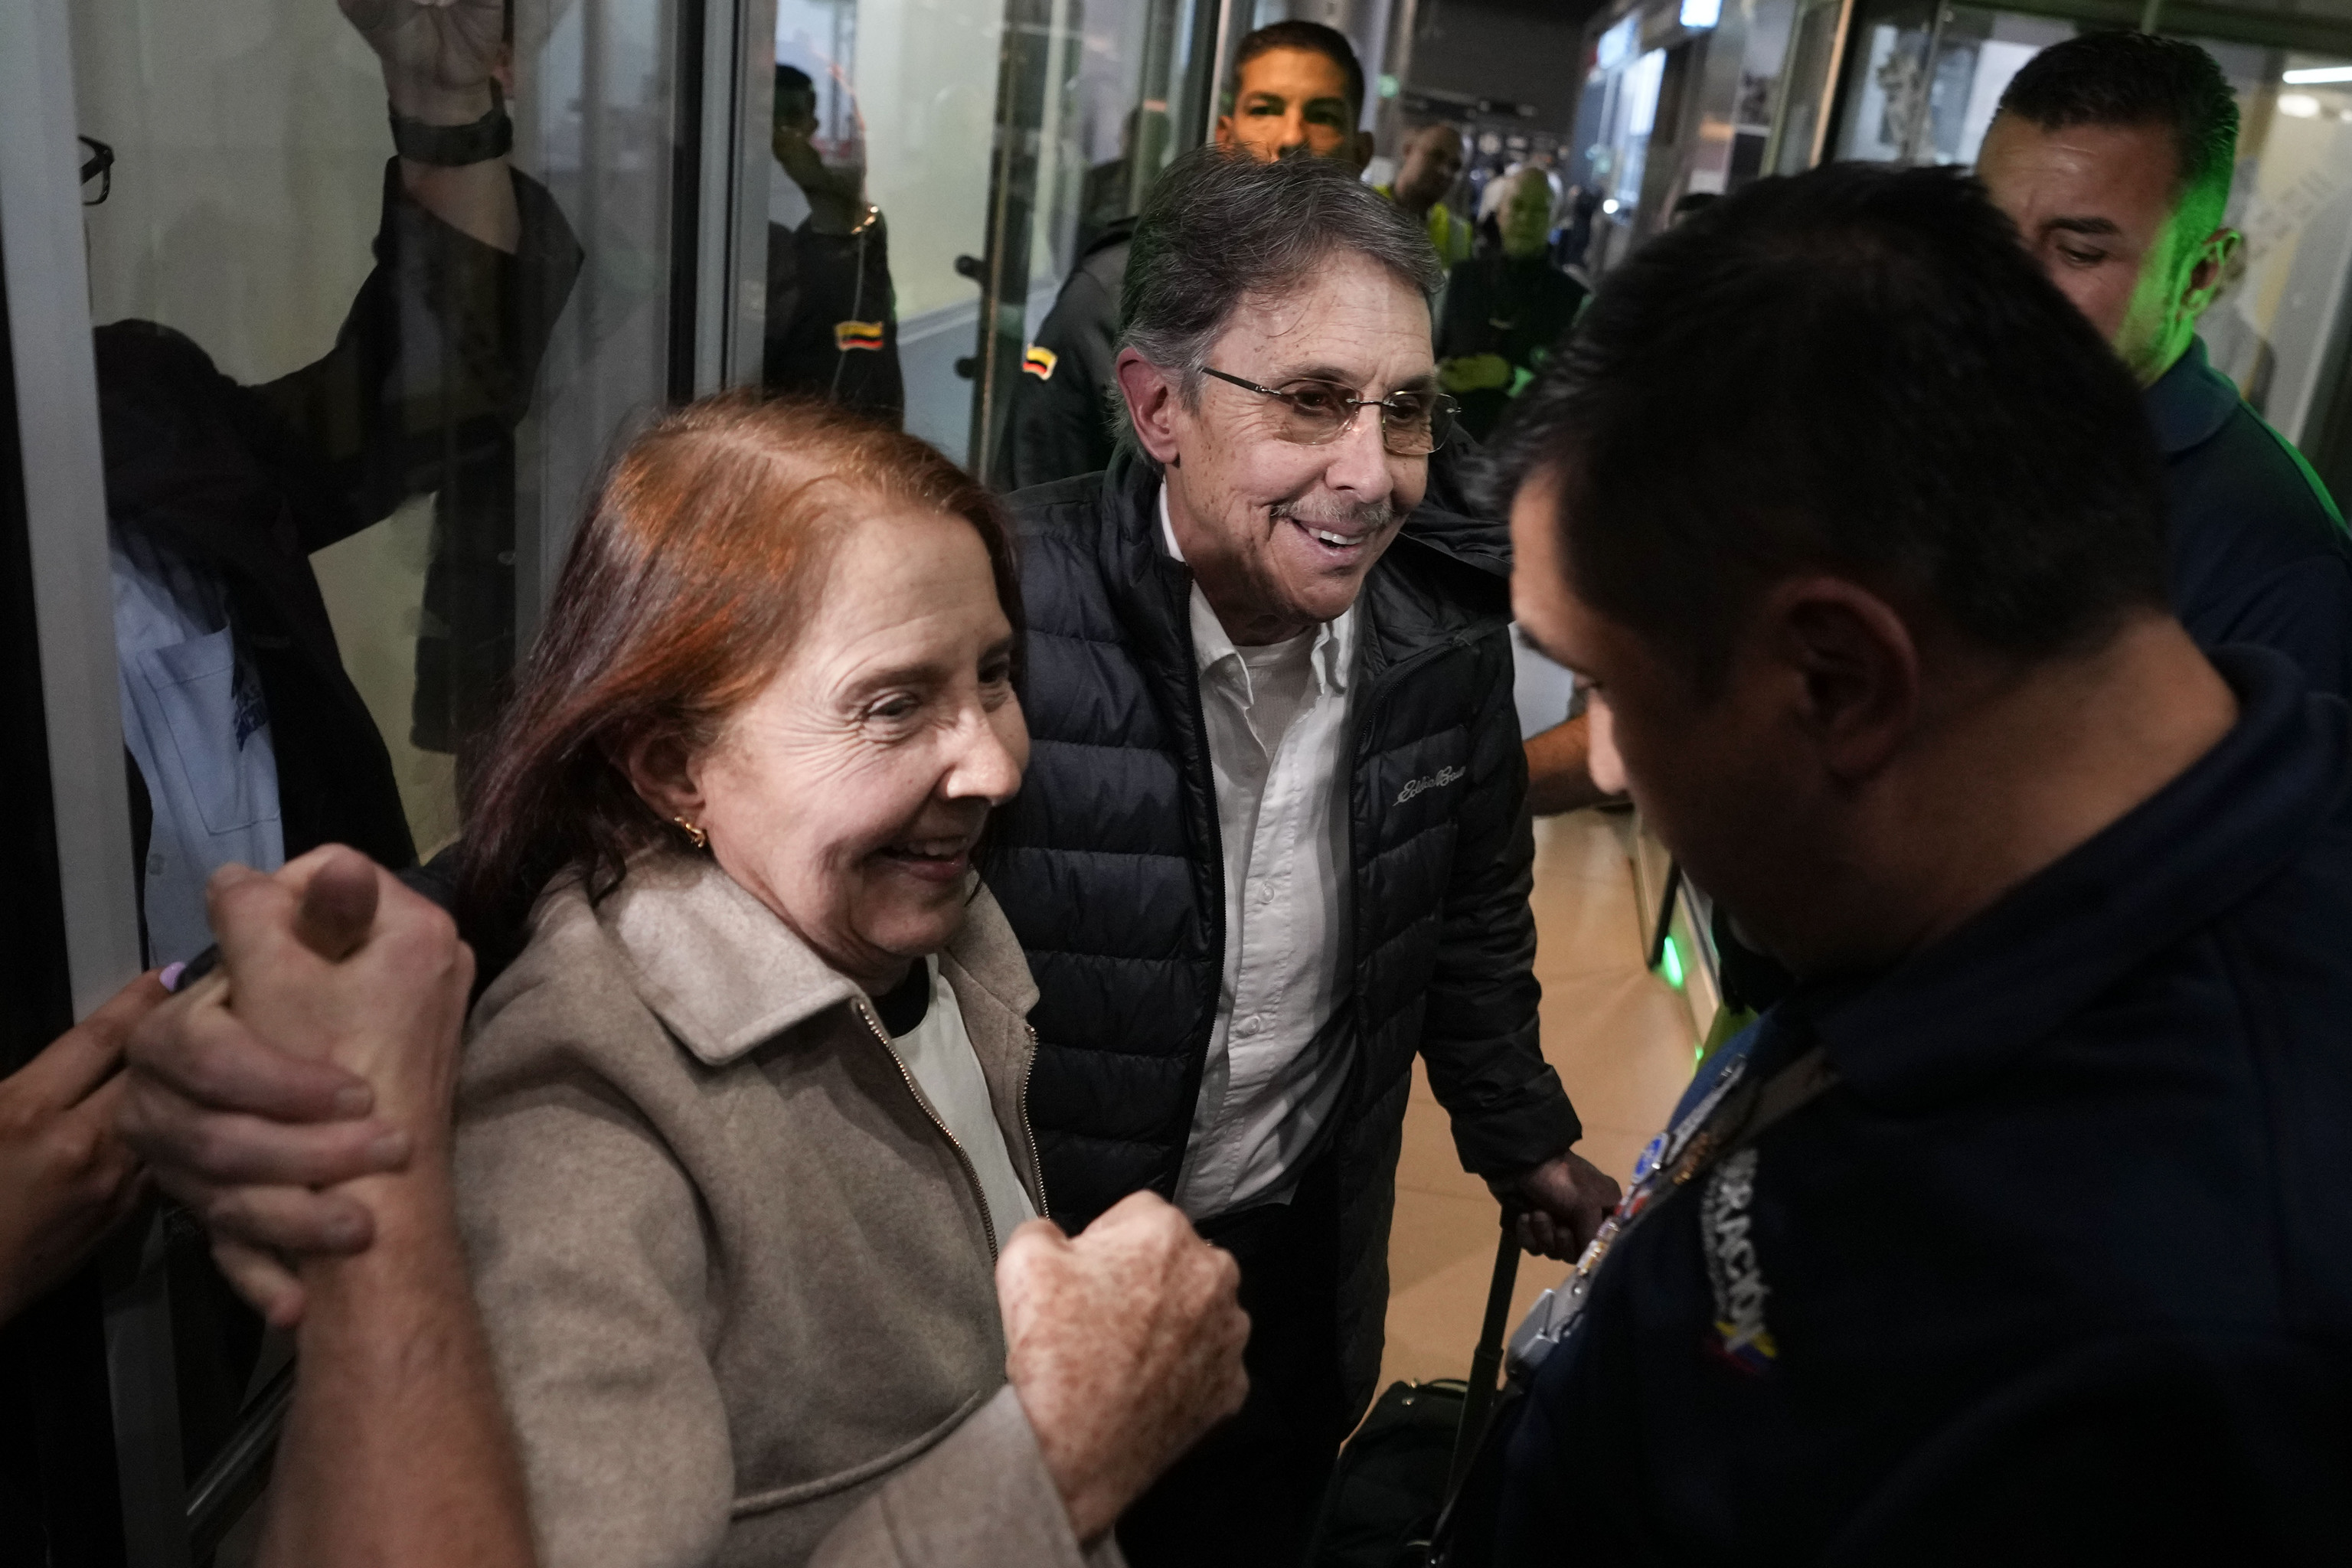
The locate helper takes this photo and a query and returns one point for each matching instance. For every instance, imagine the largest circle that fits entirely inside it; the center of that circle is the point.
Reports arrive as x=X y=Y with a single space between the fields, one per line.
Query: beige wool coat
x=737 y=1279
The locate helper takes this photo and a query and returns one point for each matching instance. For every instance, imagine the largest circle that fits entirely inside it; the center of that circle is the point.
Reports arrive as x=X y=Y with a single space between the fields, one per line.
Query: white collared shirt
x=1277 y=731
x=939 y=1053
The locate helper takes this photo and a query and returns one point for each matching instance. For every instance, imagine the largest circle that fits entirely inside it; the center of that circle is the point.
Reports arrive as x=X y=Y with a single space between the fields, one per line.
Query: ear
x=2214 y=254
x=659 y=769
x=1224 y=133
x=1857 y=668
x=1151 y=396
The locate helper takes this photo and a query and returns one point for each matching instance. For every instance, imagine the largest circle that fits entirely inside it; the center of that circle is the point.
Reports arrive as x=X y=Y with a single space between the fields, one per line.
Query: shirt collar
x=1334 y=640
x=2190 y=403
x=1970 y=1004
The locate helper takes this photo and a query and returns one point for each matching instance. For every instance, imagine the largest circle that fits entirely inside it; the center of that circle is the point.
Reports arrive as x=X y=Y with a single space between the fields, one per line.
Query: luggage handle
x=1487 y=1361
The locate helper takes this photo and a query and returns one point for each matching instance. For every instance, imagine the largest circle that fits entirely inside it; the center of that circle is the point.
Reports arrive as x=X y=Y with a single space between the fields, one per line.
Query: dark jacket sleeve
x=1479 y=1034
x=1060 y=425
x=434 y=364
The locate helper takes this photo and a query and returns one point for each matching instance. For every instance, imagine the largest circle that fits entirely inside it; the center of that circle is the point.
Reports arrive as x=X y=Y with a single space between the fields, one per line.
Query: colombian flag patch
x=1040 y=363
x=849 y=335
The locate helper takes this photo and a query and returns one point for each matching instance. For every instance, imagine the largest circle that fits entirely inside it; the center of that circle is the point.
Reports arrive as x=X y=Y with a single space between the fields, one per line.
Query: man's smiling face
x=1280 y=535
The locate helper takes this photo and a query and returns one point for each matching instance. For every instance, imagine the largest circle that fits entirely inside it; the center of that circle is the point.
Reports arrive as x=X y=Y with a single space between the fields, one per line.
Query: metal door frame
x=64 y=476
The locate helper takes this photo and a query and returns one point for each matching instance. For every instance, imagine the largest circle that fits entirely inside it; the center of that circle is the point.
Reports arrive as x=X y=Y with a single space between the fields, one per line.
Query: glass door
x=932 y=171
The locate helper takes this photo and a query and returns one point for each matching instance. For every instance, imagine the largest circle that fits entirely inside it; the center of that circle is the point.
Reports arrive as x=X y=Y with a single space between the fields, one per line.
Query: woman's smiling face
x=847 y=795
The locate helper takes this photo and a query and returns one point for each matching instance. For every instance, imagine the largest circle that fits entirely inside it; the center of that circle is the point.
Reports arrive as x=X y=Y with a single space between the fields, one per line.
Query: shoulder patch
x=849 y=335
x=1040 y=361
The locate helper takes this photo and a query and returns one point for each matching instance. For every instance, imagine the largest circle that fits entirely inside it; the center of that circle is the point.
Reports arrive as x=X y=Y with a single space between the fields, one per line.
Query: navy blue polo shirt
x=2259 y=554
x=2060 y=1267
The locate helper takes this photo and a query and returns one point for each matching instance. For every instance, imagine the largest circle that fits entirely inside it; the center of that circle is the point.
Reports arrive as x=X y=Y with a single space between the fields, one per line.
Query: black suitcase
x=1396 y=1474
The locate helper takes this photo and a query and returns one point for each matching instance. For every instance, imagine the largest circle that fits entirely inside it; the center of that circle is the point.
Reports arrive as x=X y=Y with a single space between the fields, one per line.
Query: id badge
x=1554 y=1316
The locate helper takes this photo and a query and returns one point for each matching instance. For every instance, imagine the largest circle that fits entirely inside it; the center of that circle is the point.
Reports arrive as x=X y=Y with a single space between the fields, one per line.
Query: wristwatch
x=454 y=146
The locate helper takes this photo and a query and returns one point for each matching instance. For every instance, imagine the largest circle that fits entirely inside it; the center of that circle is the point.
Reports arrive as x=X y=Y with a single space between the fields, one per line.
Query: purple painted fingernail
x=170 y=975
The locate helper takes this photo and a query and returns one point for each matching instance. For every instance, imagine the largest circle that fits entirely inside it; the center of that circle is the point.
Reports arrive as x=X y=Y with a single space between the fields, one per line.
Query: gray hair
x=1221 y=227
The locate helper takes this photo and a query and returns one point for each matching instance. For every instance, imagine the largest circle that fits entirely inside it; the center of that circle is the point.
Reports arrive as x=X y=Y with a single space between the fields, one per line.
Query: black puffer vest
x=1108 y=866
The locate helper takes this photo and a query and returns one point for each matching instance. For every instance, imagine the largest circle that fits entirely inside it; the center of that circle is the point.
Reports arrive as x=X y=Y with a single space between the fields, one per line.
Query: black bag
x=1396 y=1473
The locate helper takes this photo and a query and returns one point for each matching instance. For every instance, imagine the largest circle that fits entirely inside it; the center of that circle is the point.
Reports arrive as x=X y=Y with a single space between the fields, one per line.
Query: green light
x=1670 y=963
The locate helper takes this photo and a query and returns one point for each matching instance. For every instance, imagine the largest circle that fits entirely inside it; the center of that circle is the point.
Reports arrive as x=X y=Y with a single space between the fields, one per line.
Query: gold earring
x=700 y=837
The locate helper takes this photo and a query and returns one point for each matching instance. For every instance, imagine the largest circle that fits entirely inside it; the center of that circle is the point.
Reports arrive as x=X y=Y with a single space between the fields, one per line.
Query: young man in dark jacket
x=2113 y=152
x=1298 y=92
x=1272 y=841
x=2022 y=1228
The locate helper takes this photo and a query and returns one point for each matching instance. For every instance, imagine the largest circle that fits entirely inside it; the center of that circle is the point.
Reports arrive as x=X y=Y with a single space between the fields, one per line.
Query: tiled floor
x=1621 y=1040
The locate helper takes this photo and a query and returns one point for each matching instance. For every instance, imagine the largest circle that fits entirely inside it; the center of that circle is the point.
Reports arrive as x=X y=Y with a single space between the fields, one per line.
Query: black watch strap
x=454 y=146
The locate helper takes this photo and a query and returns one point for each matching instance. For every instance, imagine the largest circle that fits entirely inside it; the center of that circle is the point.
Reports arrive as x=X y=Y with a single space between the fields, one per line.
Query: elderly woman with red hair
x=742 y=1130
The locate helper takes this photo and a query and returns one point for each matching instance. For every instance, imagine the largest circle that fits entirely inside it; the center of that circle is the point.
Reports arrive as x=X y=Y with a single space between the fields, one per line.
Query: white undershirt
x=937 y=1052
x=1277 y=733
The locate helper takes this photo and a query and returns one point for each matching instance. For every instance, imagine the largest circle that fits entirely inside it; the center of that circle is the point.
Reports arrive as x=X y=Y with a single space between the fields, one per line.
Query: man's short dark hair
x=1858 y=370
x=1220 y=226
x=2137 y=79
x=1316 y=39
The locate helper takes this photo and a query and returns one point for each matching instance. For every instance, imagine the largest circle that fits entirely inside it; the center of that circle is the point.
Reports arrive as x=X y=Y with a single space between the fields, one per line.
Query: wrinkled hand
x=65 y=1178
x=340 y=993
x=1566 y=1199
x=438 y=56
x=1124 y=1345
x=1475 y=373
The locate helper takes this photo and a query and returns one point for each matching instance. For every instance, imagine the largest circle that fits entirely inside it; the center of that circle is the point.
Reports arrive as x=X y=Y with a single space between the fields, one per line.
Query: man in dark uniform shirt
x=2023 y=1227
x=2112 y=153
x=1298 y=92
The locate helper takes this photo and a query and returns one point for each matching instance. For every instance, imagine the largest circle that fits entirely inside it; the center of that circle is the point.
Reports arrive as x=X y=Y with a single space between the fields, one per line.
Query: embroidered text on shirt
x=1732 y=1266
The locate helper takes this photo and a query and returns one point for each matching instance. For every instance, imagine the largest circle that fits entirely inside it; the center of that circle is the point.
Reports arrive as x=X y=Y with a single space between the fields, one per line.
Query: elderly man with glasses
x=1273 y=841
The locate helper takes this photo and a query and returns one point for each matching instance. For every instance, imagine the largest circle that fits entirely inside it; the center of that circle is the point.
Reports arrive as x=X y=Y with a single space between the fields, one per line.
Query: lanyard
x=1733 y=1111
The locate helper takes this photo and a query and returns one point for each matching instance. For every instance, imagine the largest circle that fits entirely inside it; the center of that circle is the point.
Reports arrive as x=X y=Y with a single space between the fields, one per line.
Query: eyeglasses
x=98 y=166
x=1412 y=424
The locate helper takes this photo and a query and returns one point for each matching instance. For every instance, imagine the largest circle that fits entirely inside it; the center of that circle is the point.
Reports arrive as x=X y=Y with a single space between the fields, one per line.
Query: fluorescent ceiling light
x=1701 y=13
x=2312 y=76
x=2298 y=105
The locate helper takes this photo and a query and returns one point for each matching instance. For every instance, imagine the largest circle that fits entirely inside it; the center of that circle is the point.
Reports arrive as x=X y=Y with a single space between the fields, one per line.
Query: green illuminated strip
x=1670 y=963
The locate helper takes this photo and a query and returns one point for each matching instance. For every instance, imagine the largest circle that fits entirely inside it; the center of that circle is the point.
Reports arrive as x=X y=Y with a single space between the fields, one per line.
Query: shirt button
x=1266 y=892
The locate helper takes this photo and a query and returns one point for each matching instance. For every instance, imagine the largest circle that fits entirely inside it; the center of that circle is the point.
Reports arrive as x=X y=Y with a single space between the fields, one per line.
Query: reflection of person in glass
x=250 y=741
x=1506 y=308
x=833 y=318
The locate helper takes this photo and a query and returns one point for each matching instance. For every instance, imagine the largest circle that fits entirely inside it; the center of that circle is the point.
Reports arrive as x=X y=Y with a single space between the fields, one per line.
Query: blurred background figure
x=1573 y=239
x=833 y=319
x=1507 y=306
x=1433 y=163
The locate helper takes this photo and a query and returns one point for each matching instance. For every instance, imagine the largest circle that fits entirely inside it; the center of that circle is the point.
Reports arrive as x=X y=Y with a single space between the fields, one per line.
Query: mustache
x=1369 y=516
